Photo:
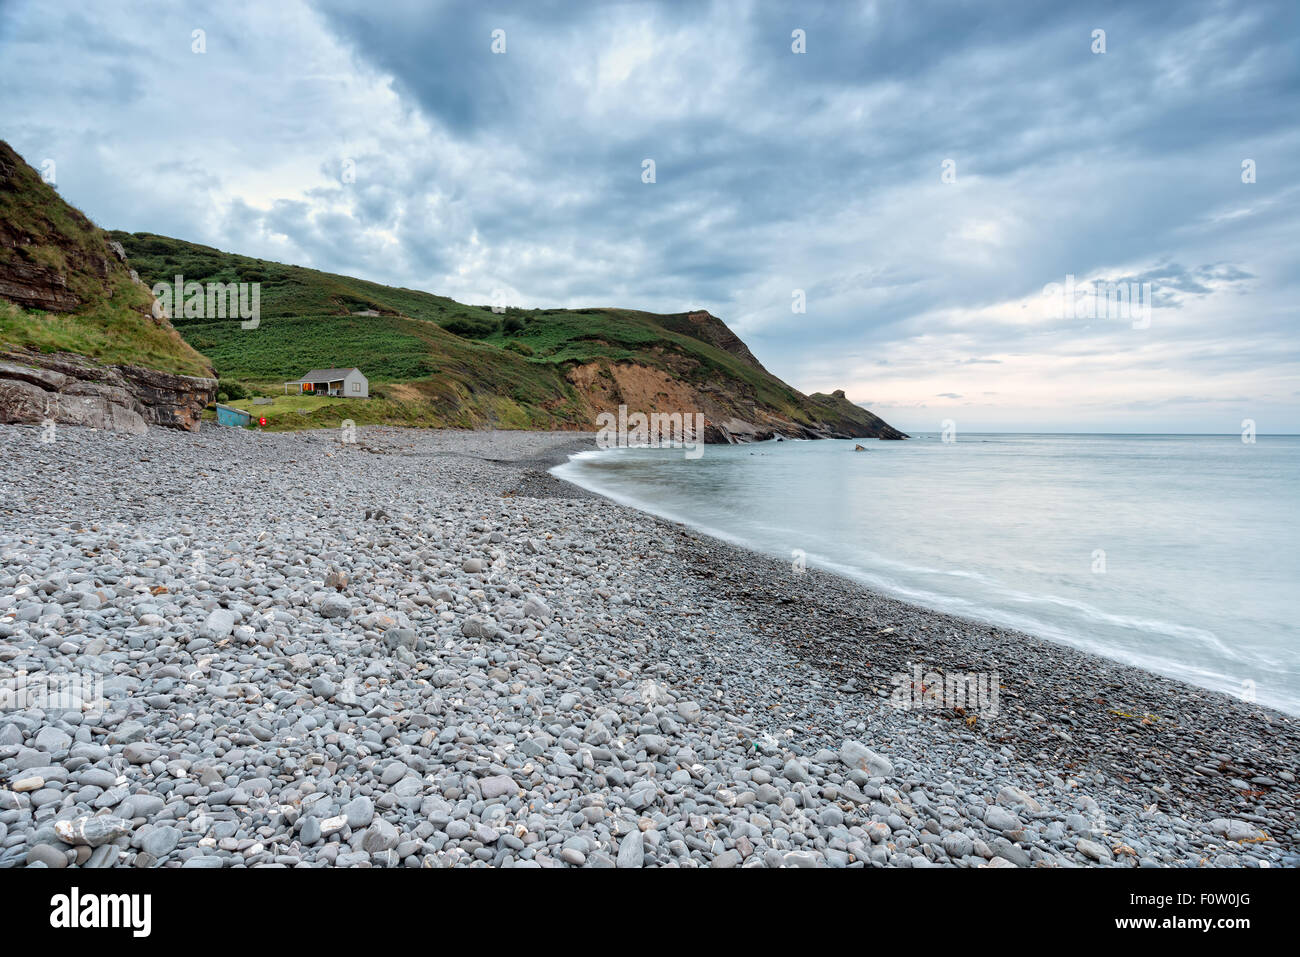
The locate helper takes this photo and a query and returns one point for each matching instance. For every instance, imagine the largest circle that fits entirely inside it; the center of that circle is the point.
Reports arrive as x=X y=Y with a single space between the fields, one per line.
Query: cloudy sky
x=921 y=173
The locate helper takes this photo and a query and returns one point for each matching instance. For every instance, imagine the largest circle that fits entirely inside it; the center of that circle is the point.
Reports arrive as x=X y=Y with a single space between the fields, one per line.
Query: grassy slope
x=113 y=323
x=499 y=369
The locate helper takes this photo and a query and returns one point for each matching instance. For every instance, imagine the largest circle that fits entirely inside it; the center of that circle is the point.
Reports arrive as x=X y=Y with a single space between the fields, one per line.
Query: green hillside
x=310 y=317
x=459 y=364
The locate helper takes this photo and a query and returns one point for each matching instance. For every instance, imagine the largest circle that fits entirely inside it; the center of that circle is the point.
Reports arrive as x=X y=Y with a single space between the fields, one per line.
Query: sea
x=1176 y=553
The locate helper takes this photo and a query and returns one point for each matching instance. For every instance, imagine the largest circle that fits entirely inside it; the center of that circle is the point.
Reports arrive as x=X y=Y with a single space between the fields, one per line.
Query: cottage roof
x=325 y=375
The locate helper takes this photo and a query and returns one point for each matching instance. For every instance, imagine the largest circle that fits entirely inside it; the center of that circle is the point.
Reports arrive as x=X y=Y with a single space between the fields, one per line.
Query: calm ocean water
x=1177 y=553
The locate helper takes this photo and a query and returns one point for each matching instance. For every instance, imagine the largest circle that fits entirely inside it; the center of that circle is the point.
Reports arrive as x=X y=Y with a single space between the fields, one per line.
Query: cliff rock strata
x=72 y=390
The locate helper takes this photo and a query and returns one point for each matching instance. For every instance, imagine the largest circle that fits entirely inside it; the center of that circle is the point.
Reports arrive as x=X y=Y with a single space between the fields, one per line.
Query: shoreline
x=651 y=654
x=1100 y=695
x=932 y=598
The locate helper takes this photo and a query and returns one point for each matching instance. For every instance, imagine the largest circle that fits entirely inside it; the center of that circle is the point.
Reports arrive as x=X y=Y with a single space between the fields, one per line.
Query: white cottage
x=348 y=383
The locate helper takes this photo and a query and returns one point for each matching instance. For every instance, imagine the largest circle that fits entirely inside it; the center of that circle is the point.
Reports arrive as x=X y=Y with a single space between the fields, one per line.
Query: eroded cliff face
x=64 y=284
x=72 y=390
x=850 y=419
x=707 y=327
x=33 y=286
x=730 y=415
x=40 y=252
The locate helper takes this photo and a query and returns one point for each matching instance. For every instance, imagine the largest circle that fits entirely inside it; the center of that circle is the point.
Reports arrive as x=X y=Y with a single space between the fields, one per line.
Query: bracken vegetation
x=458 y=364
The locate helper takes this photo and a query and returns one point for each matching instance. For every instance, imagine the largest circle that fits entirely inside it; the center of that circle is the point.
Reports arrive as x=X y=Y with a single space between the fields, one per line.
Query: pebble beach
x=420 y=649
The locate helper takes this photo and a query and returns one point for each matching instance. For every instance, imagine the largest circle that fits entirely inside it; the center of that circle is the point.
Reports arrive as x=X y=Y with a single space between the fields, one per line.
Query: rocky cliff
x=72 y=390
x=79 y=344
x=33 y=286
x=734 y=409
x=706 y=327
x=851 y=420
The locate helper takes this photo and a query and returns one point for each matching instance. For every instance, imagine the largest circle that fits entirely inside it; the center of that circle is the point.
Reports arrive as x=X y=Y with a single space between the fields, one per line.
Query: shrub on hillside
x=233 y=389
x=470 y=327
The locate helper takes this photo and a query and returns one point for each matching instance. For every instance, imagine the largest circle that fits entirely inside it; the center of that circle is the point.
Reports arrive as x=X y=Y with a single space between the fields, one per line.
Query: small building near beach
x=229 y=415
x=346 y=383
